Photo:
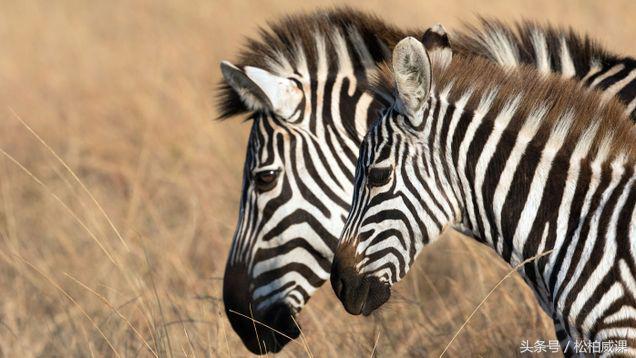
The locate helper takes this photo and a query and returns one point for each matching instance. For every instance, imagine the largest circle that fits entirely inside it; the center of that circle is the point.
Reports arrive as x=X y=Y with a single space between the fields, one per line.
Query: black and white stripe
x=304 y=84
x=514 y=161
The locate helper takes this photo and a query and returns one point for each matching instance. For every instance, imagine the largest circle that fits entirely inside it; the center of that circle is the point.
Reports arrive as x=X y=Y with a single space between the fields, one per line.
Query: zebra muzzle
x=261 y=330
x=359 y=294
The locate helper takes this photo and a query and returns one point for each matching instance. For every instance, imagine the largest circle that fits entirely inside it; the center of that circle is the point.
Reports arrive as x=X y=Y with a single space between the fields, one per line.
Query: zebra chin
x=358 y=293
x=262 y=331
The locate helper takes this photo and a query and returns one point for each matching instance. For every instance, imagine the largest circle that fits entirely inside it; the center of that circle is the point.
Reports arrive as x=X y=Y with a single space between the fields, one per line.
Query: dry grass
x=122 y=92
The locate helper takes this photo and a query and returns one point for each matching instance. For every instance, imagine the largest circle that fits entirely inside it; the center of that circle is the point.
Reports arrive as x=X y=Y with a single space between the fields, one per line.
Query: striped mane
x=293 y=41
x=602 y=121
x=512 y=45
x=551 y=48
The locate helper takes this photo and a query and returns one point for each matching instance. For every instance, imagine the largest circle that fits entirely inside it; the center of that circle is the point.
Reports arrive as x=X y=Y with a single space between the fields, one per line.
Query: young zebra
x=528 y=165
x=303 y=83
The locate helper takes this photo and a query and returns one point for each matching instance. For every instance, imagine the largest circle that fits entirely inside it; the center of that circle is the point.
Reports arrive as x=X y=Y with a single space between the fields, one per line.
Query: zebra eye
x=379 y=176
x=265 y=180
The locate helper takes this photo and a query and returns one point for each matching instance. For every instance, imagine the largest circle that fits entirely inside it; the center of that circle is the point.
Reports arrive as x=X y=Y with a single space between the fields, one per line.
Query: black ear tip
x=434 y=37
x=425 y=35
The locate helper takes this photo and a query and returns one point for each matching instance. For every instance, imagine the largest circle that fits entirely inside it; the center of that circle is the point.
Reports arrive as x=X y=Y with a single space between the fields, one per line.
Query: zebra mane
x=512 y=45
x=585 y=114
x=284 y=45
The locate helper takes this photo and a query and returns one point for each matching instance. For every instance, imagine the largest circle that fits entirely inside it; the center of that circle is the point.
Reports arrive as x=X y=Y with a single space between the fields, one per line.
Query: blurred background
x=130 y=262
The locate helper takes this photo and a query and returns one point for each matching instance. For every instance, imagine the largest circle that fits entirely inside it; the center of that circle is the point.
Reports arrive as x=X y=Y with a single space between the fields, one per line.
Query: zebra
x=535 y=167
x=304 y=84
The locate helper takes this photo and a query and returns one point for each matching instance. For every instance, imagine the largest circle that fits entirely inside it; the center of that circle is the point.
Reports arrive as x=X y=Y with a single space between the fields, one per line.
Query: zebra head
x=275 y=100
x=309 y=107
x=395 y=183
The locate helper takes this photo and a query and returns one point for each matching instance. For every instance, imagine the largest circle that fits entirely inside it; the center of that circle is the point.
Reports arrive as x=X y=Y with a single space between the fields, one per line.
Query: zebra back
x=552 y=49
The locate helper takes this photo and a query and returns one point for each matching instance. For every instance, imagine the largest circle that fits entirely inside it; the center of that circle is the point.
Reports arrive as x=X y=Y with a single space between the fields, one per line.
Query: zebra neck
x=563 y=217
x=521 y=195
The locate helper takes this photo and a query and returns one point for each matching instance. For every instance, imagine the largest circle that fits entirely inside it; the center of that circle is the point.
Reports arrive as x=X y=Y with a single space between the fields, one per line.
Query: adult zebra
x=512 y=160
x=304 y=85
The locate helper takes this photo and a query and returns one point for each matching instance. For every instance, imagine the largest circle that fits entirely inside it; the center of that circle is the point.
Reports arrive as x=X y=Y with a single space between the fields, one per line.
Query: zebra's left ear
x=413 y=76
x=262 y=90
x=437 y=45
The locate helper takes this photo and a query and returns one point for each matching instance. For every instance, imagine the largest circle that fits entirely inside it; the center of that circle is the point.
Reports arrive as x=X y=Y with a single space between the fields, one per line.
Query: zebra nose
x=350 y=289
x=261 y=330
x=379 y=292
x=358 y=294
x=282 y=328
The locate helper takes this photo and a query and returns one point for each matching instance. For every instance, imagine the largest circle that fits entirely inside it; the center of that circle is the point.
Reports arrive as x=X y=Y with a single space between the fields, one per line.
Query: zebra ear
x=262 y=90
x=437 y=45
x=412 y=71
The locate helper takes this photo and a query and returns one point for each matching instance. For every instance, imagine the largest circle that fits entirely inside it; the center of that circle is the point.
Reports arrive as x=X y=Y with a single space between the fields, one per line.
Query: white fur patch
x=283 y=93
x=567 y=65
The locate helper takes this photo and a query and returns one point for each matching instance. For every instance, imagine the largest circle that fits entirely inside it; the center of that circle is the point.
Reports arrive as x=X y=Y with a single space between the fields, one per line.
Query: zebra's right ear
x=262 y=90
x=437 y=45
x=413 y=76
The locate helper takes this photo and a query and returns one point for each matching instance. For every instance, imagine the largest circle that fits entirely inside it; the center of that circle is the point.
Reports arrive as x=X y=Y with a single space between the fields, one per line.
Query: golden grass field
x=123 y=93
